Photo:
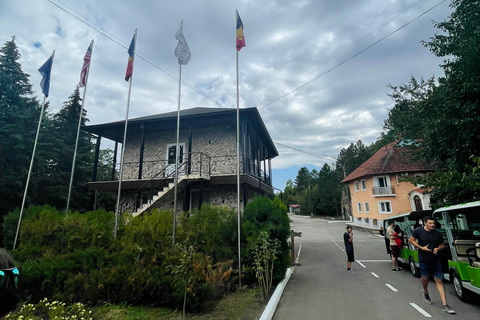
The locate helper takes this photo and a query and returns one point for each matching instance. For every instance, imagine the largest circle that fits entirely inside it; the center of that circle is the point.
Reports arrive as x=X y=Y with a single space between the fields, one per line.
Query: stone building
x=207 y=159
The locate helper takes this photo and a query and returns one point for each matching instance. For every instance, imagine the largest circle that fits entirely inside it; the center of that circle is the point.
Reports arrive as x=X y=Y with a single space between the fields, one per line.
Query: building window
x=364 y=184
x=359 y=205
x=404 y=174
x=384 y=207
x=382 y=187
x=381 y=181
x=356 y=185
x=367 y=208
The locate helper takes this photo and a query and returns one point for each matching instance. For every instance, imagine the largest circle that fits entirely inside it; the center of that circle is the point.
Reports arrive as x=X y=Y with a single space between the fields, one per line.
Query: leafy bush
x=74 y=258
x=265 y=215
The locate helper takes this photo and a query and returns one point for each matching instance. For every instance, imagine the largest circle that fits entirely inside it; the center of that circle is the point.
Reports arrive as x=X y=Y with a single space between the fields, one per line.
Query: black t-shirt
x=348 y=244
x=431 y=238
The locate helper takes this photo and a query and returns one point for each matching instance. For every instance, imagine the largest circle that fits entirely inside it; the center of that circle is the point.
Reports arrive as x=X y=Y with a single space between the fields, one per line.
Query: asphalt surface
x=321 y=288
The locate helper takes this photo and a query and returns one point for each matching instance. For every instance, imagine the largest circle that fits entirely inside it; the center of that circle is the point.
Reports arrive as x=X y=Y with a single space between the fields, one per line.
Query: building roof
x=295 y=205
x=395 y=157
x=168 y=121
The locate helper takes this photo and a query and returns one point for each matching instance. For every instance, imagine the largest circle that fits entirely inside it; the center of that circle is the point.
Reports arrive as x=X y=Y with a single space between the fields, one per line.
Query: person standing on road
x=393 y=245
x=348 y=239
x=429 y=242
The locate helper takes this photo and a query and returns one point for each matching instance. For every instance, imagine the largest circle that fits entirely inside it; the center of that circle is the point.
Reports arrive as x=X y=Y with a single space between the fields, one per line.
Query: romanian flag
x=131 y=51
x=240 y=37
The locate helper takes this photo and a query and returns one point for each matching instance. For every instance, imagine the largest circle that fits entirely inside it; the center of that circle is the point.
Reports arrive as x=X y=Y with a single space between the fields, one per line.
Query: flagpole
x=78 y=134
x=177 y=155
x=34 y=150
x=117 y=208
x=29 y=173
x=238 y=171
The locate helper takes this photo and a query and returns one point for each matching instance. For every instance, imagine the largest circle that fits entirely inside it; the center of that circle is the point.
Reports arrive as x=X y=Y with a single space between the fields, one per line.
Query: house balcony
x=195 y=164
x=383 y=191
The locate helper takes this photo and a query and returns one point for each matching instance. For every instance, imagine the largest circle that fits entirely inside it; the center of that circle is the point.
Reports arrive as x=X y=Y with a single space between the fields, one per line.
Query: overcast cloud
x=288 y=43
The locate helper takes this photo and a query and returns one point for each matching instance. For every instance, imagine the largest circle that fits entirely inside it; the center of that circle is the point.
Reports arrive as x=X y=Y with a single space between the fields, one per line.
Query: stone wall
x=218 y=142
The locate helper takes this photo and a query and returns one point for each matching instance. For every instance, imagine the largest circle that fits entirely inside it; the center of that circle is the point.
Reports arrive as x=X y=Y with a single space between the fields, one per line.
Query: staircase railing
x=195 y=162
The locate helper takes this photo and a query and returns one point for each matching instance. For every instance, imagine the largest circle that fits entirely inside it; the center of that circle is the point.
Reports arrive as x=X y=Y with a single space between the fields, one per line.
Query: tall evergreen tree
x=64 y=133
x=19 y=112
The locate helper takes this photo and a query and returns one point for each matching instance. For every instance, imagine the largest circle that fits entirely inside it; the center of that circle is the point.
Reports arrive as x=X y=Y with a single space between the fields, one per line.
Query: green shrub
x=265 y=215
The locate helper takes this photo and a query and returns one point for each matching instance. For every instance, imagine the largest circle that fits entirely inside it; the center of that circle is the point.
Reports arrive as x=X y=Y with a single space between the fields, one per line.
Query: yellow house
x=376 y=191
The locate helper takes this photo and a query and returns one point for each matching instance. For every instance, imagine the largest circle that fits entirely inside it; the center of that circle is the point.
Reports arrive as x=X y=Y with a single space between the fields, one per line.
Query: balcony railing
x=200 y=163
x=383 y=191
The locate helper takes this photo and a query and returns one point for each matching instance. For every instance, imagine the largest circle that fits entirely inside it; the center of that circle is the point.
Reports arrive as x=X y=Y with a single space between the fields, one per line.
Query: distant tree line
x=443 y=112
x=19 y=116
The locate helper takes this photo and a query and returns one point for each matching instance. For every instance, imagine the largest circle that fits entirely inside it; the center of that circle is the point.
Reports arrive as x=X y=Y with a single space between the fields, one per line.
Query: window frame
x=356 y=186
x=367 y=207
x=359 y=206
x=380 y=211
x=363 y=183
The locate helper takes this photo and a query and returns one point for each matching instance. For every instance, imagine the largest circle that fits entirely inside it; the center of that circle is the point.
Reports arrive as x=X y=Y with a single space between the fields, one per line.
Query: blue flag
x=45 y=71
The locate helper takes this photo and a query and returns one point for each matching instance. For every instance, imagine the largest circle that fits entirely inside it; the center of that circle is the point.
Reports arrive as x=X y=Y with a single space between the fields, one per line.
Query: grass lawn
x=244 y=304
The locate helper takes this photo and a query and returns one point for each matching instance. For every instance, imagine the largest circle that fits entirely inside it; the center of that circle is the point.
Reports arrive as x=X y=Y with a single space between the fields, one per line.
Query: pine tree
x=64 y=132
x=19 y=112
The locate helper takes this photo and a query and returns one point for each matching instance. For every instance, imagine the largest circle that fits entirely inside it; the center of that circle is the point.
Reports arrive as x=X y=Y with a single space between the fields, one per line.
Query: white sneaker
x=351 y=271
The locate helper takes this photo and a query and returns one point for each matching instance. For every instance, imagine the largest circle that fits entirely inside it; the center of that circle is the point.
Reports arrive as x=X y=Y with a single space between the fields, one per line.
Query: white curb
x=275 y=299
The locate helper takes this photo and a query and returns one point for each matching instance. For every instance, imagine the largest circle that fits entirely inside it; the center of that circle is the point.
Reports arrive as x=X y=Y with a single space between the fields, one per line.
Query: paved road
x=321 y=288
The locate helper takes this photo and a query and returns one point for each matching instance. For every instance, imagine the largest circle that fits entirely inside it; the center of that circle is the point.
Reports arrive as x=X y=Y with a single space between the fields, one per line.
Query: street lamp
x=346 y=186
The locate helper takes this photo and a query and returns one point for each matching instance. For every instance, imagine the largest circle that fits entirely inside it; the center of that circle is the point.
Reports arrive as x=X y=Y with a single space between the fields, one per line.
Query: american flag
x=86 y=65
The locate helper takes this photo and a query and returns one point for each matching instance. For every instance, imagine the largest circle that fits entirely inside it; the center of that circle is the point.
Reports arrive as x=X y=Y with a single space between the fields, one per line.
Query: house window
x=384 y=207
x=359 y=205
x=367 y=208
x=382 y=187
x=418 y=175
x=381 y=181
x=364 y=184
x=404 y=174
x=356 y=185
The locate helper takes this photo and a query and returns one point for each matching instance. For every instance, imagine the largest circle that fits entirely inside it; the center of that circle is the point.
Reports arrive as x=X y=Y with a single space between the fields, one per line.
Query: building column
x=95 y=171
x=270 y=171
x=189 y=164
x=142 y=148
x=200 y=193
x=114 y=161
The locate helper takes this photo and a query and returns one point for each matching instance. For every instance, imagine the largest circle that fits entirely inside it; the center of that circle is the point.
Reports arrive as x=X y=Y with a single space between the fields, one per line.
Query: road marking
x=374 y=274
x=375 y=260
x=360 y=263
x=391 y=287
x=298 y=254
x=427 y=315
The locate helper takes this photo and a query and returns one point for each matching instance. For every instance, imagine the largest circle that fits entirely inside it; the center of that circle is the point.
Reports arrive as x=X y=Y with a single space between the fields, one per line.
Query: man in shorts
x=393 y=245
x=429 y=242
x=348 y=240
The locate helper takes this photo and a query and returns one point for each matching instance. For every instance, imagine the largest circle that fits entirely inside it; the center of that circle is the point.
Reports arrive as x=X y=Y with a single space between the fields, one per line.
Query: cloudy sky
x=312 y=67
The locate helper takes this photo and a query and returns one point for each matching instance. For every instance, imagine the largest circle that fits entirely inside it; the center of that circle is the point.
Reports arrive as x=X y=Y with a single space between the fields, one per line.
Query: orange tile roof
x=391 y=158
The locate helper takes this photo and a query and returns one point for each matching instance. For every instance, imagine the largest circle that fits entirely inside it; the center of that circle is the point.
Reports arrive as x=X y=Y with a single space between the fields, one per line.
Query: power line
x=324 y=157
x=350 y=58
x=118 y=41
x=338 y=54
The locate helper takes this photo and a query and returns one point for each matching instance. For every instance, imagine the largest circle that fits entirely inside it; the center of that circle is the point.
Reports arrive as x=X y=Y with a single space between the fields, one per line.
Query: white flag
x=182 y=51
